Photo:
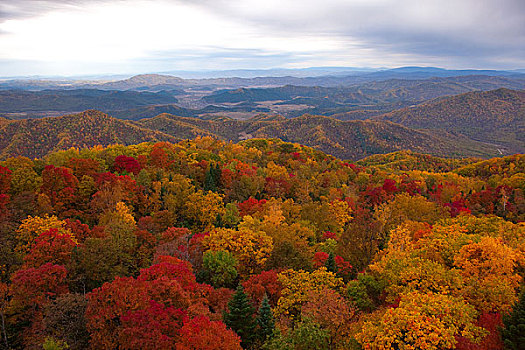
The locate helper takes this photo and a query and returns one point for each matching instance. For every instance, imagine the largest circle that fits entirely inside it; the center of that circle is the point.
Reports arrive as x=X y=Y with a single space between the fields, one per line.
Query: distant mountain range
x=344 y=102
x=327 y=76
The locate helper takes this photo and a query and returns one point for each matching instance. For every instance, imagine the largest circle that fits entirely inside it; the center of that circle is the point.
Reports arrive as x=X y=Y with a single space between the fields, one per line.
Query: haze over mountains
x=428 y=110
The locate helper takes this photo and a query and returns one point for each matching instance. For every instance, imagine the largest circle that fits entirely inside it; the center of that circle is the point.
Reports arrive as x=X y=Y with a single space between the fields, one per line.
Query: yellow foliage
x=120 y=224
x=298 y=284
x=340 y=212
x=33 y=226
x=276 y=171
x=250 y=248
x=422 y=321
x=489 y=270
x=202 y=209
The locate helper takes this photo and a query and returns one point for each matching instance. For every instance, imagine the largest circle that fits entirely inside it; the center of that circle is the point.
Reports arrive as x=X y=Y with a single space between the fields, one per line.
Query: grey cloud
x=481 y=30
x=488 y=33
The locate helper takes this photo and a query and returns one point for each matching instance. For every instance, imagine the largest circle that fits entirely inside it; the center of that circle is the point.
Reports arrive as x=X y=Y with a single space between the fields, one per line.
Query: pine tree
x=514 y=332
x=265 y=320
x=240 y=317
x=217 y=173
x=209 y=180
x=330 y=263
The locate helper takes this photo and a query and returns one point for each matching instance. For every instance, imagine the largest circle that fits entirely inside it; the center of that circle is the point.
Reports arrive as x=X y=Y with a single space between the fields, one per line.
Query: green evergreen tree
x=209 y=180
x=217 y=173
x=218 y=221
x=240 y=317
x=513 y=333
x=265 y=320
x=330 y=263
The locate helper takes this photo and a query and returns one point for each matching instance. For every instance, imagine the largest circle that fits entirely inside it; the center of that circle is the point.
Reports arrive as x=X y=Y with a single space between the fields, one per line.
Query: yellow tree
x=33 y=226
x=298 y=284
x=250 y=248
x=422 y=321
x=202 y=209
x=489 y=269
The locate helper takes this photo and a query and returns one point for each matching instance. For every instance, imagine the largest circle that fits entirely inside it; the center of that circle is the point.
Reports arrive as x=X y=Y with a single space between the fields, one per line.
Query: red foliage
x=82 y=167
x=354 y=167
x=277 y=187
x=50 y=247
x=173 y=233
x=156 y=327
x=297 y=156
x=158 y=156
x=124 y=163
x=375 y=195
x=250 y=206
x=4 y=201
x=147 y=223
x=107 y=304
x=200 y=333
x=244 y=169
x=320 y=259
x=457 y=207
x=411 y=187
x=226 y=178
x=34 y=287
x=389 y=186
x=219 y=299
x=264 y=283
x=344 y=268
x=80 y=231
x=329 y=235
x=171 y=268
x=492 y=322
x=59 y=184
x=5 y=179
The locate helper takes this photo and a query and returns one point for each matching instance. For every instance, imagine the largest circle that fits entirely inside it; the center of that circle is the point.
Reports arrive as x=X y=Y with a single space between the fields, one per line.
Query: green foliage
x=210 y=181
x=358 y=294
x=265 y=321
x=513 y=333
x=366 y=292
x=330 y=263
x=219 y=268
x=240 y=318
x=305 y=336
x=52 y=344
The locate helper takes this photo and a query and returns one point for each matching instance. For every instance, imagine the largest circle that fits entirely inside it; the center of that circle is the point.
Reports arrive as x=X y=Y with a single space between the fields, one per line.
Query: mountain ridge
x=496 y=116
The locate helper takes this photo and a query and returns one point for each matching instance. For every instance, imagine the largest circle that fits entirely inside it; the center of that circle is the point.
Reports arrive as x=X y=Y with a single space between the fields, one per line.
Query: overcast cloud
x=70 y=37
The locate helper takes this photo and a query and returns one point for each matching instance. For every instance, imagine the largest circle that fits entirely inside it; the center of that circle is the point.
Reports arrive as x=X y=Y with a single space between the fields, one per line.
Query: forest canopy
x=258 y=245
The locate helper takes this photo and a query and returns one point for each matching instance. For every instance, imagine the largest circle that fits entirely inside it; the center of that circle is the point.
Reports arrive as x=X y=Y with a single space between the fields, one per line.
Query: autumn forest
x=207 y=244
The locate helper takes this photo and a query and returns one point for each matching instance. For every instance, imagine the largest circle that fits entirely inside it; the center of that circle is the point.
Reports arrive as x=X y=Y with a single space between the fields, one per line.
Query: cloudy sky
x=80 y=37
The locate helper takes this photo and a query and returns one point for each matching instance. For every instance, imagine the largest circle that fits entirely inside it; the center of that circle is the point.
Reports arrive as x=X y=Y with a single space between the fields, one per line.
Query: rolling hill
x=344 y=139
x=37 y=137
x=496 y=116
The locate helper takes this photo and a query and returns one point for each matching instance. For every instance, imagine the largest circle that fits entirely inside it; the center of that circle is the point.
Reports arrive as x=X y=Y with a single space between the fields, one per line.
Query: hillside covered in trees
x=262 y=244
x=354 y=139
x=496 y=116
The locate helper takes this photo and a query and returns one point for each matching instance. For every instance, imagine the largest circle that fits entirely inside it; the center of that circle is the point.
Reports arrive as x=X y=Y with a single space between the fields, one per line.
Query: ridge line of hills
x=344 y=139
